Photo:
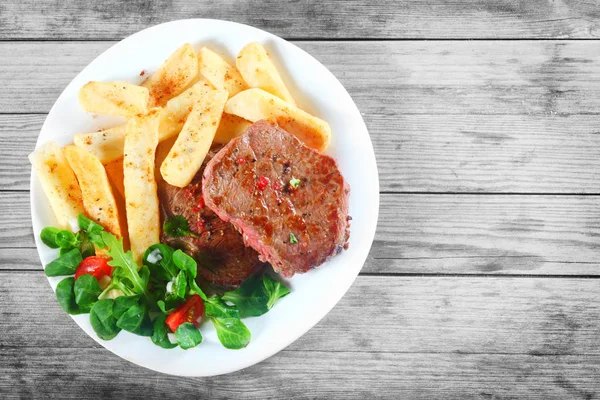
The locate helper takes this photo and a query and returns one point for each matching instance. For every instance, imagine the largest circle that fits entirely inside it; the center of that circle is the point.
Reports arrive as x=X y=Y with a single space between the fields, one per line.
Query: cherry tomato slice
x=190 y=311
x=94 y=265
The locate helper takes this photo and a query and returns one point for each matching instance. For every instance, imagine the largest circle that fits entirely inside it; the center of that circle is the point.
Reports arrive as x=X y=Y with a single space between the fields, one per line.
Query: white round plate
x=318 y=92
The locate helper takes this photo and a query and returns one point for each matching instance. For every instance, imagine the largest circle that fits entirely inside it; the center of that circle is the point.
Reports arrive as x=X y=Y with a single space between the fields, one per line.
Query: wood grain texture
x=417 y=337
x=433 y=234
x=113 y=19
x=530 y=127
x=386 y=79
x=427 y=153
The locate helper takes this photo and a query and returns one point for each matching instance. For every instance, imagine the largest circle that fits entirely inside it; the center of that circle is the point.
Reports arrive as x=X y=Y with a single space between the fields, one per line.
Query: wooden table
x=482 y=280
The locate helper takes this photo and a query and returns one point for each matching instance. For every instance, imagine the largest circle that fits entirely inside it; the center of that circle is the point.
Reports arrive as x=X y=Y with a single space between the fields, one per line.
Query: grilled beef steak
x=222 y=257
x=290 y=202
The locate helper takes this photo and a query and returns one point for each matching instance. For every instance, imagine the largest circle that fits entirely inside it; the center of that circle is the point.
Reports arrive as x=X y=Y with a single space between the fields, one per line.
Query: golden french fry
x=106 y=145
x=114 y=171
x=173 y=116
x=141 y=199
x=98 y=199
x=231 y=126
x=114 y=98
x=174 y=75
x=256 y=104
x=219 y=73
x=162 y=150
x=59 y=183
x=187 y=154
x=258 y=71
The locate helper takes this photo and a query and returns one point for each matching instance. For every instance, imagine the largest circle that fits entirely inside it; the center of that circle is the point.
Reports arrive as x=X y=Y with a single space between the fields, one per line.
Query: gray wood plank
x=417 y=337
x=66 y=373
x=433 y=234
x=503 y=315
x=386 y=79
x=427 y=153
x=113 y=19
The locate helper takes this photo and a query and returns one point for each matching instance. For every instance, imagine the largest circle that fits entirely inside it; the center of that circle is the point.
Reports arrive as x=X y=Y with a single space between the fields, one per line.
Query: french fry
x=219 y=73
x=162 y=150
x=98 y=199
x=256 y=104
x=114 y=98
x=231 y=126
x=59 y=183
x=106 y=145
x=141 y=199
x=173 y=116
x=114 y=171
x=258 y=71
x=174 y=75
x=187 y=154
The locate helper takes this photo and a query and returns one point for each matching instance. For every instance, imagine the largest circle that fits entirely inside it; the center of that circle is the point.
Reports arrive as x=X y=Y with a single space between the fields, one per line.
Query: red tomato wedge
x=190 y=311
x=94 y=265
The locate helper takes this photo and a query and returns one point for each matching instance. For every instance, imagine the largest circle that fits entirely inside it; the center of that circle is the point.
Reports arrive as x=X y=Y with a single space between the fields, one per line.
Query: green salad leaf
x=232 y=332
x=86 y=291
x=215 y=307
x=66 y=264
x=103 y=320
x=188 y=335
x=66 y=296
x=256 y=296
x=159 y=336
x=48 y=236
x=124 y=303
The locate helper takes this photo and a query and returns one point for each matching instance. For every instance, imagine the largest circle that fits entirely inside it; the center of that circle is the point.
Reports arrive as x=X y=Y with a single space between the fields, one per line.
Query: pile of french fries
x=194 y=99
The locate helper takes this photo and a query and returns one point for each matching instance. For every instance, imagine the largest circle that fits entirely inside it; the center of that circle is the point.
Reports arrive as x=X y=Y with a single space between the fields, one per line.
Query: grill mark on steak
x=222 y=257
x=316 y=212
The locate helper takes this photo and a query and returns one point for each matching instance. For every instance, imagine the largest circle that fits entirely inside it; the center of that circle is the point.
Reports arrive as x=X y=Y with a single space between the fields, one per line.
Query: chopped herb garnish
x=294 y=182
x=293 y=239
x=177 y=226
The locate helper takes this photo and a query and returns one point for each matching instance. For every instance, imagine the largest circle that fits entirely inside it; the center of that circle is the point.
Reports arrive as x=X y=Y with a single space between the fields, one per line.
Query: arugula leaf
x=66 y=296
x=250 y=298
x=124 y=303
x=177 y=226
x=103 y=320
x=188 y=335
x=66 y=264
x=126 y=268
x=163 y=269
x=232 y=332
x=256 y=296
x=86 y=291
x=159 y=336
x=48 y=236
x=274 y=289
x=215 y=307
x=185 y=263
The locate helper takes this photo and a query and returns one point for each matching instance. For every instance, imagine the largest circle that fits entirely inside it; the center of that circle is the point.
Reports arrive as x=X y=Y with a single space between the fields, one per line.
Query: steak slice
x=219 y=249
x=294 y=228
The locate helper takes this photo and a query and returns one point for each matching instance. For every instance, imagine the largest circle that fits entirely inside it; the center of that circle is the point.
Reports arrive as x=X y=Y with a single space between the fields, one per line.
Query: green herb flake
x=177 y=226
x=293 y=239
x=294 y=182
